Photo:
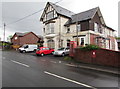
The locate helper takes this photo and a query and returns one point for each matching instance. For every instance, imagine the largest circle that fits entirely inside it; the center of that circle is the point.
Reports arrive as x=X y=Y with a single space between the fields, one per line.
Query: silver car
x=61 y=52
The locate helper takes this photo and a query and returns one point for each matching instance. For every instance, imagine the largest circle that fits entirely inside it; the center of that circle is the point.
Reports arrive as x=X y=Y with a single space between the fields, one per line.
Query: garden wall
x=101 y=56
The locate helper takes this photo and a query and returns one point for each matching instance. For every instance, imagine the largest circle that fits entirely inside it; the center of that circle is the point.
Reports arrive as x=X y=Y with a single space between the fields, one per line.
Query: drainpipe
x=59 y=32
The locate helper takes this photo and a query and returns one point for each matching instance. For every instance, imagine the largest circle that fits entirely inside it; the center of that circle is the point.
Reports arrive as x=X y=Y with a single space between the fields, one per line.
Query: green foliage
x=4 y=44
x=67 y=58
x=90 y=47
x=118 y=38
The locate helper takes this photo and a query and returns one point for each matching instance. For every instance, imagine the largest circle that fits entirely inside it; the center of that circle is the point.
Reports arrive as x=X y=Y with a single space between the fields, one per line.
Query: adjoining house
x=118 y=42
x=25 y=38
x=60 y=26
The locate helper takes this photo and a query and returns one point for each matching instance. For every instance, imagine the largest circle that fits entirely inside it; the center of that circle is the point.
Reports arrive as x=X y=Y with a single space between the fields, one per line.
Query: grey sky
x=13 y=10
x=119 y=19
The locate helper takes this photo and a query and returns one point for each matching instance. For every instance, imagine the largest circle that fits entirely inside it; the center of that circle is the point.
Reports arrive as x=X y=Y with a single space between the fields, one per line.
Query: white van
x=28 y=48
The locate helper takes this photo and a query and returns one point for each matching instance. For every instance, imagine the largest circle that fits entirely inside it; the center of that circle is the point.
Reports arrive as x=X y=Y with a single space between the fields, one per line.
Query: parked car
x=61 y=52
x=44 y=50
x=28 y=48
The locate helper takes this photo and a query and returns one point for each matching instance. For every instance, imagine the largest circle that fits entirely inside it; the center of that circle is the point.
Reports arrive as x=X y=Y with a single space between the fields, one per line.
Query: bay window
x=50 y=28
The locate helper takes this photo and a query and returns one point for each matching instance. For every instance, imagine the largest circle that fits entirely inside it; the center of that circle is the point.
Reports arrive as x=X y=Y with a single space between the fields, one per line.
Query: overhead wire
x=29 y=15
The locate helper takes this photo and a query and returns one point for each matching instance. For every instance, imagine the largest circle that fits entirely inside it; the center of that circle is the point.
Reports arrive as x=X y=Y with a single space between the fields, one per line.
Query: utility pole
x=59 y=32
x=3 y=44
x=4 y=33
x=77 y=30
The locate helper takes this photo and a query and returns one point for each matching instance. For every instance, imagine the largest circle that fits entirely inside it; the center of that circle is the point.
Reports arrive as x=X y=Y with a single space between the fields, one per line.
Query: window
x=82 y=41
x=101 y=29
x=61 y=43
x=96 y=27
x=44 y=30
x=68 y=43
x=43 y=48
x=16 y=38
x=51 y=43
x=50 y=15
x=50 y=28
x=47 y=49
x=68 y=29
x=97 y=41
x=79 y=27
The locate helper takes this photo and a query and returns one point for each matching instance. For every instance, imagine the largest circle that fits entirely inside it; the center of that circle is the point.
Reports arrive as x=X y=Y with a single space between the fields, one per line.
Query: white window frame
x=96 y=27
x=50 y=28
x=79 y=27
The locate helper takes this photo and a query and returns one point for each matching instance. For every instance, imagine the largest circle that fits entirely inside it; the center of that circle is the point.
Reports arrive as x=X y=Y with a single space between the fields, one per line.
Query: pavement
x=107 y=69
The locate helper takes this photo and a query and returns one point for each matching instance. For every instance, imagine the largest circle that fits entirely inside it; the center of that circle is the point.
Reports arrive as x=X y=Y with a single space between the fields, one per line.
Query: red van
x=44 y=50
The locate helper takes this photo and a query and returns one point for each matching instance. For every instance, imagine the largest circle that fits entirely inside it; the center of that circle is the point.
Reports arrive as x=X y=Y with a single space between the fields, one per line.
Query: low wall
x=101 y=56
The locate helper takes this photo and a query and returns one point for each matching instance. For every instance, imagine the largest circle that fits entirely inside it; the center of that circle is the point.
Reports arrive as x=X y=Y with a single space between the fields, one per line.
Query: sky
x=13 y=10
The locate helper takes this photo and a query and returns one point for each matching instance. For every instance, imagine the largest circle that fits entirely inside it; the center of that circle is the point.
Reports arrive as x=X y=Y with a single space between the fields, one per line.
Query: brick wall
x=28 y=39
x=15 y=41
x=103 y=57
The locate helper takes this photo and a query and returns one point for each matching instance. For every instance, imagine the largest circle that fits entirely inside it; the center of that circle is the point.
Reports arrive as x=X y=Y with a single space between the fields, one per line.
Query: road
x=29 y=70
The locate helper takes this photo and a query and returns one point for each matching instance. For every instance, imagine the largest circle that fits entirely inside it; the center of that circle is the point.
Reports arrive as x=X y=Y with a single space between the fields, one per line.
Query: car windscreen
x=25 y=46
x=61 y=48
x=38 y=48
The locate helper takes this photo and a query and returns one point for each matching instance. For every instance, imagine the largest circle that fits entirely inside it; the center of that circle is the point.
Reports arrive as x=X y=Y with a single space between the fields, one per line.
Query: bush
x=90 y=47
x=67 y=58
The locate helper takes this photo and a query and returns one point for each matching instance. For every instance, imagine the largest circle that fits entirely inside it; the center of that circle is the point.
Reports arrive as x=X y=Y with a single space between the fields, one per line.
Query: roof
x=83 y=16
x=23 y=34
x=61 y=10
x=109 y=28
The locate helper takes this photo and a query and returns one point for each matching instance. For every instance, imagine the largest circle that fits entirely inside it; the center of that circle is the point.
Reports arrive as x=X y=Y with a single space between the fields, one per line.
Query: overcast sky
x=13 y=10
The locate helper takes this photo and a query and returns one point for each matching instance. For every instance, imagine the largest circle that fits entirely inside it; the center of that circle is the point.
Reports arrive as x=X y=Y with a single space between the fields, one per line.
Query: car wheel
x=63 y=54
x=34 y=50
x=24 y=51
x=42 y=54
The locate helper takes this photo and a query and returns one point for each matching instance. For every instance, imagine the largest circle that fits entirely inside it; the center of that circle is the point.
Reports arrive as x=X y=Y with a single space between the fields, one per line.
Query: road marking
x=71 y=65
x=20 y=63
x=53 y=61
x=70 y=80
x=60 y=61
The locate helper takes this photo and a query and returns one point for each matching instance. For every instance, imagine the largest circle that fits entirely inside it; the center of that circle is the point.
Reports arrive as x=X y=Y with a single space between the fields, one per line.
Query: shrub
x=67 y=58
x=90 y=47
